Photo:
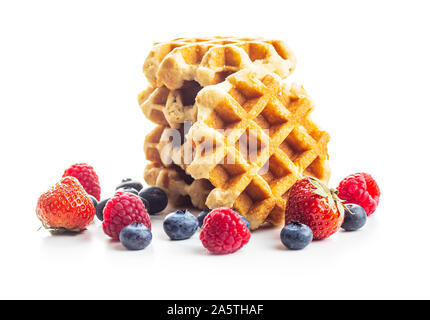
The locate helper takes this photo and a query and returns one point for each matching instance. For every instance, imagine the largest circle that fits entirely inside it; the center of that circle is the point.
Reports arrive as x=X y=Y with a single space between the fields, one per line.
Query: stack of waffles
x=230 y=132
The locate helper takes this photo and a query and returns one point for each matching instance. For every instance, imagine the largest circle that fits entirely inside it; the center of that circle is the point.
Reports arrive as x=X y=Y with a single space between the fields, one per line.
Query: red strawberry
x=87 y=177
x=312 y=203
x=65 y=207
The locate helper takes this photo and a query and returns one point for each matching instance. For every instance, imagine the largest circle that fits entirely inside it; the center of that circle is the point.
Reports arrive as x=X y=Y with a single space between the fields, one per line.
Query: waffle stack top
x=229 y=131
x=178 y=69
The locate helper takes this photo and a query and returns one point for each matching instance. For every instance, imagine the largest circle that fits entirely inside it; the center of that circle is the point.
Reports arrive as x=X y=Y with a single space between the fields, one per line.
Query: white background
x=70 y=72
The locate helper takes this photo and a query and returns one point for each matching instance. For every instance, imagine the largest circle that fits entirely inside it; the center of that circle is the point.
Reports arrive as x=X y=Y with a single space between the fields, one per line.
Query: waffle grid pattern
x=254 y=182
x=210 y=60
x=180 y=187
x=170 y=107
x=177 y=71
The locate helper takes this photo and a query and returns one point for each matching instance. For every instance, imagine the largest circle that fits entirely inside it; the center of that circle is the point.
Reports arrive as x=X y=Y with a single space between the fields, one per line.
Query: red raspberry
x=121 y=210
x=361 y=189
x=87 y=177
x=223 y=231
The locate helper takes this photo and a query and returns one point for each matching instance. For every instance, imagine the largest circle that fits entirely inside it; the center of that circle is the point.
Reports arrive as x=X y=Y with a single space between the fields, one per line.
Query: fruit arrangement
x=231 y=136
x=313 y=212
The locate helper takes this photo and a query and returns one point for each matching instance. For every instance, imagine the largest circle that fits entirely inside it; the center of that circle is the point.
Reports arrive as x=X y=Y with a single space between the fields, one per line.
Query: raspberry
x=121 y=210
x=361 y=189
x=223 y=231
x=87 y=177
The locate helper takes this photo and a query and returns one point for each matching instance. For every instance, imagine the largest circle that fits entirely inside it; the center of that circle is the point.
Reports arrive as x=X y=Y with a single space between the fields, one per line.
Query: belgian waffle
x=210 y=60
x=169 y=107
x=255 y=182
x=181 y=189
x=178 y=69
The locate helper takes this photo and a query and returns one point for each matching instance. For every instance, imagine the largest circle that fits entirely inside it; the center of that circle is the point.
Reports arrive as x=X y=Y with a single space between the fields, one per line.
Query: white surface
x=69 y=76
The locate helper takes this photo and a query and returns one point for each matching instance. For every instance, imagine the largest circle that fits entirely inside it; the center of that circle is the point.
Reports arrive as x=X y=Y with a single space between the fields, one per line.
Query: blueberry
x=94 y=200
x=156 y=197
x=202 y=215
x=180 y=225
x=145 y=203
x=355 y=218
x=246 y=222
x=130 y=184
x=135 y=236
x=99 y=209
x=130 y=190
x=296 y=236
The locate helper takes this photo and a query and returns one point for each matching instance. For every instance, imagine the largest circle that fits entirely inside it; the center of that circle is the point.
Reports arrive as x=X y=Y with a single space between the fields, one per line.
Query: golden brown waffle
x=169 y=107
x=219 y=57
x=255 y=182
x=157 y=144
x=180 y=187
x=210 y=60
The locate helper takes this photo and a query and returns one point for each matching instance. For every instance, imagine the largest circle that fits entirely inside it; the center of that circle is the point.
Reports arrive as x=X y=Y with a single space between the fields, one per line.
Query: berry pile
x=70 y=206
x=314 y=208
x=313 y=212
x=125 y=216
